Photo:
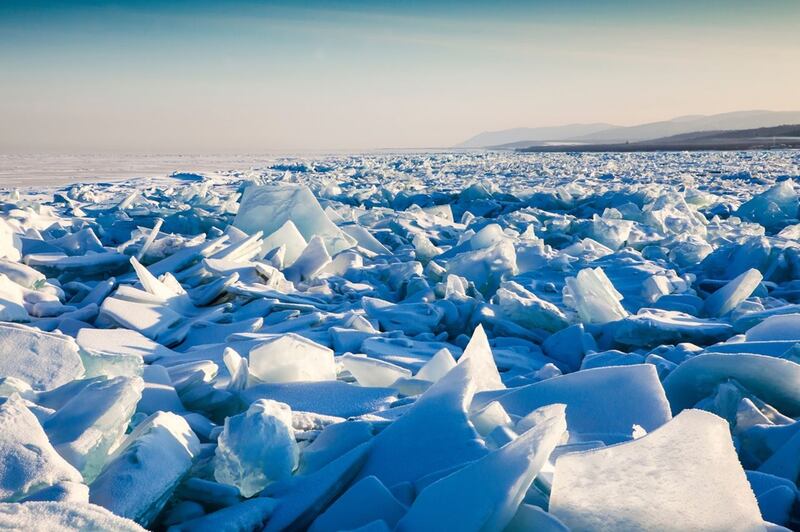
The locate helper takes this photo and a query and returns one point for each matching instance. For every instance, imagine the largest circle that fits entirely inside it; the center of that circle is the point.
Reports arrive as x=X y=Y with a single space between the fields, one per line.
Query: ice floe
x=471 y=341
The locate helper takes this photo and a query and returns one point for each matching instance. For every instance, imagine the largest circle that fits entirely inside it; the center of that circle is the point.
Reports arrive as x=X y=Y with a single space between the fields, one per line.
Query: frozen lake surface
x=400 y=341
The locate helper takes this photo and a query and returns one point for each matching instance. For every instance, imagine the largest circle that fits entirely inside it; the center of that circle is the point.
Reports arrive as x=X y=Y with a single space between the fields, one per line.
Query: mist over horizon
x=248 y=77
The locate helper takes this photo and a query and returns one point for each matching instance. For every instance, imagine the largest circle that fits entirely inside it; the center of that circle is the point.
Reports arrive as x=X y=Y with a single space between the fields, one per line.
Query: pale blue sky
x=234 y=77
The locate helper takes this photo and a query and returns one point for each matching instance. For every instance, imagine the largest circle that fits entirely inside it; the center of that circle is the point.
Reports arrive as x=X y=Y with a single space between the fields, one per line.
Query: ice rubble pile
x=417 y=342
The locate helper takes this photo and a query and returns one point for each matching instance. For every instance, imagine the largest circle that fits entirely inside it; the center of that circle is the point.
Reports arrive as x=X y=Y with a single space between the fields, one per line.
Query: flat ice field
x=434 y=341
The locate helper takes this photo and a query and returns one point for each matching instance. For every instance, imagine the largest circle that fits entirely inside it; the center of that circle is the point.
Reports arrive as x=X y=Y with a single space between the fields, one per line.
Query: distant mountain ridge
x=507 y=136
x=594 y=134
x=764 y=138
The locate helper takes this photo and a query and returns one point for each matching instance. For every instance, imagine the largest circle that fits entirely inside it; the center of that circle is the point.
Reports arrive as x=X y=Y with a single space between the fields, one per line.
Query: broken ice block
x=485 y=494
x=247 y=515
x=310 y=263
x=772 y=208
x=602 y=403
x=291 y=358
x=729 y=296
x=434 y=434
x=373 y=372
x=365 y=501
x=332 y=398
x=484 y=370
x=90 y=424
x=594 y=297
x=29 y=463
x=43 y=360
x=150 y=319
x=333 y=442
x=773 y=380
x=486 y=267
x=257 y=447
x=683 y=476
x=286 y=235
x=266 y=208
x=778 y=327
x=525 y=308
x=141 y=475
x=301 y=500
x=651 y=327
x=437 y=367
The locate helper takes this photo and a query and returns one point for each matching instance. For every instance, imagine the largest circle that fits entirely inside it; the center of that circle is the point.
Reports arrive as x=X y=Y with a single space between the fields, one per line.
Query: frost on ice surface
x=43 y=360
x=476 y=341
x=683 y=476
x=29 y=463
x=62 y=517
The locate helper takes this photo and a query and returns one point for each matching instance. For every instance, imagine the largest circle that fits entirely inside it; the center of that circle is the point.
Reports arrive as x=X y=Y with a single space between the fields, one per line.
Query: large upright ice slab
x=88 y=426
x=485 y=494
x=483 y=368
x=43 y=360
x=28 y=462
x=144 y=471
x=257 y=447
x=288 y=236
x=268 y=207
x=291 y=358
x=524 y=308
x=434 y=434
x=594 y=297
x=365 y=501
x=602 y=404
x=734 y=292
x=300 y=501
x=683 y=476
x=778 y=327
x=774 y=380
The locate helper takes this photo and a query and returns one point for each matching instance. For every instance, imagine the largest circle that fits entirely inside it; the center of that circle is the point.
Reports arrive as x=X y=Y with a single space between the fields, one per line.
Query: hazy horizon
x=249 y=77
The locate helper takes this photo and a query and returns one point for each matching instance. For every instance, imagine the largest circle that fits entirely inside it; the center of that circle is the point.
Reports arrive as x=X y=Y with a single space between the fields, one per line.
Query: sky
x=242 y=76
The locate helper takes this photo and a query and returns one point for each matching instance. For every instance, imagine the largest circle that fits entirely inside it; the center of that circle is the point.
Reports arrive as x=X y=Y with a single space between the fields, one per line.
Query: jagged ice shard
x=472 y=341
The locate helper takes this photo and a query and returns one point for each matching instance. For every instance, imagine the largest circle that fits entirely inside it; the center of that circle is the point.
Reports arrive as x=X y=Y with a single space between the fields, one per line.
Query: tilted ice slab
x=90 y=424
x=602 y=403
x=43 y=360
x=772 y=379
x=266 y=208
x=594 y=297
x=485 y=494
x=29 y=462
x=726 y=298
x=651 y=327
x=291 y=358
x=122 y=342
x=434 y=434
x=301 y=499
x=365 y=501
x=682 y=476
x=779 y=327
x=143 y=472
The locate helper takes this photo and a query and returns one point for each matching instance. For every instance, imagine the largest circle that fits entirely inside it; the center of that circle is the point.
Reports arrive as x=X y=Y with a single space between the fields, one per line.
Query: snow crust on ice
x=481 y=341
x=682 y=476
x=29 y=461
